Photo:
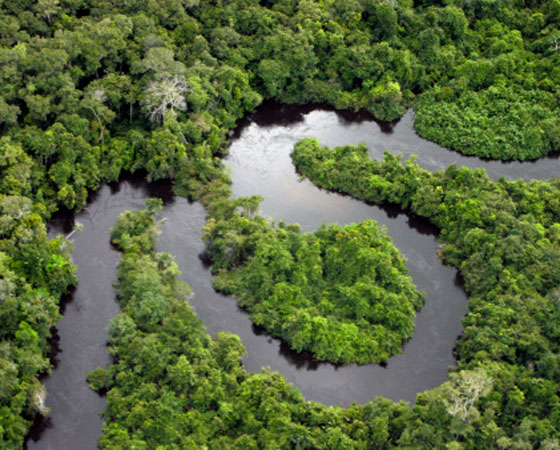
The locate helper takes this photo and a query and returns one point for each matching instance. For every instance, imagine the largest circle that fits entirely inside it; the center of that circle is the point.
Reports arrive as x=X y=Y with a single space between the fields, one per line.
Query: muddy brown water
x=260 y=164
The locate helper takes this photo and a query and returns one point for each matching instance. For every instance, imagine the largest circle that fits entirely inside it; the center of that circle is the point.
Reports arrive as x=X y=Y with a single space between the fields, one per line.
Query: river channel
x=260 y=164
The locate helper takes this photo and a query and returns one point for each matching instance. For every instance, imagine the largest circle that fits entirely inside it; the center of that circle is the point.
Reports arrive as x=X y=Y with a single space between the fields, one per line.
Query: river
x=260 y=164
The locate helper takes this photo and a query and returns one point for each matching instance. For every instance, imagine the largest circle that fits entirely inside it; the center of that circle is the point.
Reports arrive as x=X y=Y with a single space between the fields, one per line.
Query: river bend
x=260 y=164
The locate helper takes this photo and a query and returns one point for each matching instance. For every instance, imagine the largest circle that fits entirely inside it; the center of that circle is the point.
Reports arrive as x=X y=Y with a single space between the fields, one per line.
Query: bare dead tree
x=97 y=98
x=464 y=389
x=165 y=94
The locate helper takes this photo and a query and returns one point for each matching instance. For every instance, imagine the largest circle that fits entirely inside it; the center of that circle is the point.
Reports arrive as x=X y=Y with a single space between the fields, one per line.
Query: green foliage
x=135 y=230
x=341 y=293
x=78 y=83
x=497 y=122
x=34 y=273
x=499 y=100
x=502 y=236
x=175 y=386
x=386 y=101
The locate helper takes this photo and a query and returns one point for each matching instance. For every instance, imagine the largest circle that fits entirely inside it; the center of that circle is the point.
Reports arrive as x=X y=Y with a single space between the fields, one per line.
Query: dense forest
x=503 y=236
x=341 y=293
x=90 y=89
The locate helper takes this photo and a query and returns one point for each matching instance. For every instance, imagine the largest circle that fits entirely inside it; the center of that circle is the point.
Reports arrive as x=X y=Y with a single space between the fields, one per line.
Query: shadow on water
x=161 y=189
x=303 y=360
x=347 y=118
x=273 y=114
x=38 y=429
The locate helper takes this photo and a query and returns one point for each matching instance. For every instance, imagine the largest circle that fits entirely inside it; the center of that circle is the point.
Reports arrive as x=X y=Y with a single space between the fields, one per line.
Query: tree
x=95 y=103
x=464 y=389
x=167 y=94
x=385 y=101
x=159 y=62
x=48 y=8
x=8 y=113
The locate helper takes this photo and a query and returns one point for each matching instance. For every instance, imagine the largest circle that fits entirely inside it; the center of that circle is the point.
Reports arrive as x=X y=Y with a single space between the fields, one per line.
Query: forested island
x=341 y=293
x=94 y=89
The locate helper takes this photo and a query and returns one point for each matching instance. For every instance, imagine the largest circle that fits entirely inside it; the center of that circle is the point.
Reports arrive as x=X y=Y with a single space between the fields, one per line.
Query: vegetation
x=34 y=273
x=174 y=386
x=503 y=237
x=340 y=293
x=92 y=88
x=496 y=88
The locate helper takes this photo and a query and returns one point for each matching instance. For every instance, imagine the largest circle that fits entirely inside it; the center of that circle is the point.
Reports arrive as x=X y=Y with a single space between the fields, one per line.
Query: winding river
x=260 y=164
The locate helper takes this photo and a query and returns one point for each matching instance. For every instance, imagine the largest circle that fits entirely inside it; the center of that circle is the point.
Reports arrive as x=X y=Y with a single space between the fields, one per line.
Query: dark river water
x=260 y=164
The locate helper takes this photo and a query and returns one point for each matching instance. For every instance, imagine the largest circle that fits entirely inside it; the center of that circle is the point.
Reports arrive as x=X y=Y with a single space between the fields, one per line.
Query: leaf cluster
x=342 y=293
